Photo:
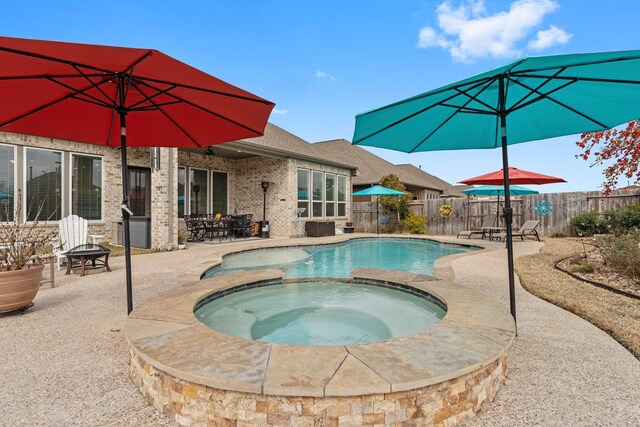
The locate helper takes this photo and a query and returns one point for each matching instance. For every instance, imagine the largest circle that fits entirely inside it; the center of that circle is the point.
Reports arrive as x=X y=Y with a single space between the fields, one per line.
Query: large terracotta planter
x=19 y=288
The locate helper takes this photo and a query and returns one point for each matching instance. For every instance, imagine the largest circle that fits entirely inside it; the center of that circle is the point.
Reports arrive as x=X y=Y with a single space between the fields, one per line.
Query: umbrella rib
x=444 y=122
x=77 y=92
x=515 y=106
x=92 y=83
x=562 y=104
x=404 y=119
x=45 y=106
x=144 y=83
x=57 y=76
x=135 y=87
x=148 y=98
x=50 y=58
x=201 y=89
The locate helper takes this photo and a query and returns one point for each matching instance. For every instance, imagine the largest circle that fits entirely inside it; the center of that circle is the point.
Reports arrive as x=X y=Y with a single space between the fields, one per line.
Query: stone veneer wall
x=443 y=404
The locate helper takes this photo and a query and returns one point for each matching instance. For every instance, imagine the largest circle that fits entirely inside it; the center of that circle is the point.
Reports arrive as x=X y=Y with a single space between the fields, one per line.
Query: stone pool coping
x=165 y=333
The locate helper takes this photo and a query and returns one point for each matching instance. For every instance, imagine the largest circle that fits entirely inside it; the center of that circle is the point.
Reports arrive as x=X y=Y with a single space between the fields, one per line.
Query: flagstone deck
x=66 y=361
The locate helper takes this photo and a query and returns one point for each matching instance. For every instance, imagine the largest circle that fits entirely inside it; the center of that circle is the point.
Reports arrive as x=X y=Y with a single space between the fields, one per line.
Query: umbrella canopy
x=498 y=190
x=527 y=100
x=378 y=190
x=118 y=96
x=516 y=176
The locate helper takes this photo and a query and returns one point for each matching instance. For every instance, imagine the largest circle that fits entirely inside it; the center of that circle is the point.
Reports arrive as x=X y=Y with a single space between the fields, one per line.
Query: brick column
x=164 y=196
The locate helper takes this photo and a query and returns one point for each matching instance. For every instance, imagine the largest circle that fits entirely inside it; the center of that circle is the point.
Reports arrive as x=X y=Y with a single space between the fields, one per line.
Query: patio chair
x=527 y=229
x=73 y=232
x=487 y=221
x=195 y=227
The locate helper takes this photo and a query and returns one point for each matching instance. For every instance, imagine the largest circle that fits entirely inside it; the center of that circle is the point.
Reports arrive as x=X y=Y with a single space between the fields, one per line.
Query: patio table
x=488 y=231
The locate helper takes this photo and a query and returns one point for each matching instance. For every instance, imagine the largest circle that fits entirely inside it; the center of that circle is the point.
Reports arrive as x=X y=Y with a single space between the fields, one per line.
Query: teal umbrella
x=378 y=190
x=527 y=100
x=498 y=190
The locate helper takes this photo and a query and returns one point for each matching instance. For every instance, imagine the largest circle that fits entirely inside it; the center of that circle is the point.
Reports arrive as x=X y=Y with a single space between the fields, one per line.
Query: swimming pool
x=340 y=259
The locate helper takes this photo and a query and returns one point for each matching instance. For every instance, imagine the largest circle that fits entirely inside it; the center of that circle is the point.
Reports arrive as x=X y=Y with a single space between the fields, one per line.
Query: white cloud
x=547 y=38
x=280 y=112
x=325 y=75
x=469 y=32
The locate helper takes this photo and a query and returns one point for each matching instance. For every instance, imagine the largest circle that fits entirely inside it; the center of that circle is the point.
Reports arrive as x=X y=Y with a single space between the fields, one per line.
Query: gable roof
x=372 y=167
x=277 y=142
x=447 y=189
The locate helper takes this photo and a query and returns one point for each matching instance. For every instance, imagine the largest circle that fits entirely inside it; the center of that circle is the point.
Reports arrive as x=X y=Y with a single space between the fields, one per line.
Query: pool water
x=320 y=313
x=340 y=259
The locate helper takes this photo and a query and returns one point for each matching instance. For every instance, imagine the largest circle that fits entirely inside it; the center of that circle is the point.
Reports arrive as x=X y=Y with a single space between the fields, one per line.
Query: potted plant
x=20 y=263
x=181 y=239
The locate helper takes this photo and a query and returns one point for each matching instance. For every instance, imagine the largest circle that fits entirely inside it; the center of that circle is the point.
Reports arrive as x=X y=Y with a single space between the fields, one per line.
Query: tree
x=620 y=145
x=397 y=204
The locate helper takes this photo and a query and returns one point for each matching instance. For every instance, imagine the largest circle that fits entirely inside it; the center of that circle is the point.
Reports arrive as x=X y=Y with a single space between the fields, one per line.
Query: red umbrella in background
x=516 y=176
x=86 y=93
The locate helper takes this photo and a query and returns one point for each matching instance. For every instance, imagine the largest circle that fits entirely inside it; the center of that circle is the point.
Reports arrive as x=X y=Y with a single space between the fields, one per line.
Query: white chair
x=73 y=232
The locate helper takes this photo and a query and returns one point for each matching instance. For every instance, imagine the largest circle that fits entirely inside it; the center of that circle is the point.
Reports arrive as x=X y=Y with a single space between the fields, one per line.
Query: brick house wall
x=245 y=194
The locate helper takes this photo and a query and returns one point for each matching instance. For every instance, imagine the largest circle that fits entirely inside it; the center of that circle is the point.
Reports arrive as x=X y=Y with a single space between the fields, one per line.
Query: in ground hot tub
x=440 y=374
x=320 y=312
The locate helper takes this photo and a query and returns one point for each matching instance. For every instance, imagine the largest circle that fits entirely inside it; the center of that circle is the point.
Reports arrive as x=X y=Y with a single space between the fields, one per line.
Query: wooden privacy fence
x=468 y=212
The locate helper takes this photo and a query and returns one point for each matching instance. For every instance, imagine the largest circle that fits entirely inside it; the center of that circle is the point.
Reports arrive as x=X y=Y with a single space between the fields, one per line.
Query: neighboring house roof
x=277 y=142
x=371 y=167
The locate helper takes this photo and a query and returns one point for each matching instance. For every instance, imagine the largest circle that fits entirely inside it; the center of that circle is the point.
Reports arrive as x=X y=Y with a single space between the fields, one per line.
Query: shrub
x=584 y=267
x=624 y=254
x=414 y=224
x=588 y=224
x=624 y=220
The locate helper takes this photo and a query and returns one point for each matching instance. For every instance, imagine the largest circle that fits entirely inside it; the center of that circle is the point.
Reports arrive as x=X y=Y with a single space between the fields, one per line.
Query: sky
x=324 y=62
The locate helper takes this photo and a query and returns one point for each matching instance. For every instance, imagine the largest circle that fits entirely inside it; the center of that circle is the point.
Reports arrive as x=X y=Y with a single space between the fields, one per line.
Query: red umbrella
x=516 y=176
x=86 y=93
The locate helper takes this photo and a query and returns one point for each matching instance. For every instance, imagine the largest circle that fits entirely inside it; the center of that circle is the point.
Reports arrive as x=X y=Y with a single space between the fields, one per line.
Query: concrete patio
x=66 y=361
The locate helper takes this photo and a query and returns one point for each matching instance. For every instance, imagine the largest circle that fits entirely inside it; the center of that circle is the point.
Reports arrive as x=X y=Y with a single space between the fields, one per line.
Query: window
x=330 y=195
x=86 y=187
x=140 y=191
x=43 y=176
x=342 y=195
x=219 y=185
x=199 y=191
x=318 y=193
x=303 y=192
x=7 y=183
x=181 y=180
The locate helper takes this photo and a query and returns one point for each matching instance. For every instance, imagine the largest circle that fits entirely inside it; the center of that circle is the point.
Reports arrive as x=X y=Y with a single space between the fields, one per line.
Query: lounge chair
x=73 y=232
x=527 y=229
x=487 y=221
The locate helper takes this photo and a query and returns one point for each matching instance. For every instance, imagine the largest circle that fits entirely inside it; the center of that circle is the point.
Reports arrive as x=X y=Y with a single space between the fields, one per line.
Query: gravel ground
x=65 y=362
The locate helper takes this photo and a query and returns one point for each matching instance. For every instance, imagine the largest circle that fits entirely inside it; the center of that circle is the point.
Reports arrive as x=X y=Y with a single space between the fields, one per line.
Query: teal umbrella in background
x=527 y=100
x=378 y=190
x=498 y=190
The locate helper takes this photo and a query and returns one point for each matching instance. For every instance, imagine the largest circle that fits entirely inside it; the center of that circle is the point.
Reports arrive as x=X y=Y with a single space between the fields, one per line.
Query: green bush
x=624 y=220
x=584 y=267
x=588 y=224
x=624 y=254
x=414 y=224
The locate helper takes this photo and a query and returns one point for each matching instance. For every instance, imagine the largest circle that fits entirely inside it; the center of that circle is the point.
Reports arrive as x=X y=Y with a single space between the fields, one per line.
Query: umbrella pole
x=126 y=212
x=377 y=220
x=508 y=212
